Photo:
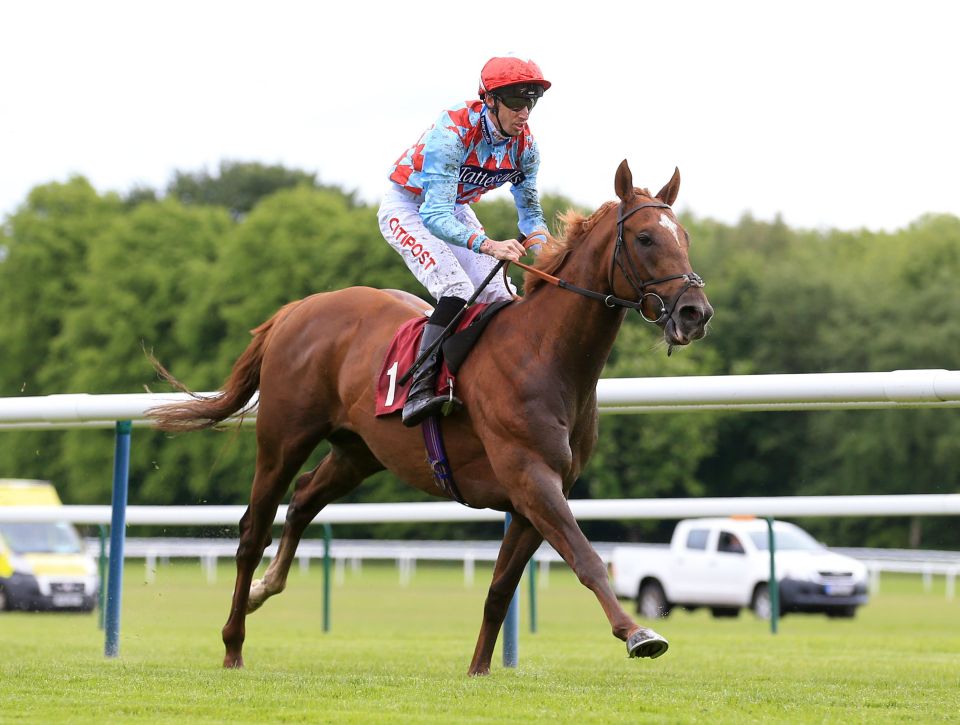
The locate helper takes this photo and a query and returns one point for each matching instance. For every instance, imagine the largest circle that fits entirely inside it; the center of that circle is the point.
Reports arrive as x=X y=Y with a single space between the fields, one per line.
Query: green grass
x=399 y=654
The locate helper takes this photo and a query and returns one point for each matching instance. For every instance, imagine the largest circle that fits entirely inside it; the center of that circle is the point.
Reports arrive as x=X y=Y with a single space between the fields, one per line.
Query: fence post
x=774 y=585
x=102 y=572
x=121 y=474
x=327 y=536
x=511 y=625
x=532 y=581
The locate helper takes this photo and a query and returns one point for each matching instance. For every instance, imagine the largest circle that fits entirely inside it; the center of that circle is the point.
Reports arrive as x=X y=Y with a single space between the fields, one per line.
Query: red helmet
x=500 y=72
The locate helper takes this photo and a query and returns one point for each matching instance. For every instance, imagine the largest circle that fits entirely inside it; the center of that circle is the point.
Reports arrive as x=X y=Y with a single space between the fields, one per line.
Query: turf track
x=400 y=655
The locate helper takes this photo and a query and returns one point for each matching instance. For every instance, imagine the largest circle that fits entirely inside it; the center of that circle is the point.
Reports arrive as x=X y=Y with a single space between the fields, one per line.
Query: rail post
x=774 y=588
x=121 y=474
x=102 y=573
x=327 y=536
x=511 y=624
x=532 y=582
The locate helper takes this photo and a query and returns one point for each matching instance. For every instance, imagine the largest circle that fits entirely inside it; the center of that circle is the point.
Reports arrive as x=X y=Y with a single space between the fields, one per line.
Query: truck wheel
x=760 y=604
x=652 y=602
x=727 y=612
x=3 y=599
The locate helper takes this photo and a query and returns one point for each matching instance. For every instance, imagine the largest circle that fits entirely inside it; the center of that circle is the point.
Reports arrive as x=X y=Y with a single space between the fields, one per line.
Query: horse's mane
x=575 y=226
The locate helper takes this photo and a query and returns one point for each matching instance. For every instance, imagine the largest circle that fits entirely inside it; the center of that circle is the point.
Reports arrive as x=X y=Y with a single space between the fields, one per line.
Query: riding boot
x=422 y=400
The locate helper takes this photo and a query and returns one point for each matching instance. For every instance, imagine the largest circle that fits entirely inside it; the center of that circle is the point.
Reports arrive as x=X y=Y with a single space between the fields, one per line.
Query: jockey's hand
x=510 y=250
x=536 y=241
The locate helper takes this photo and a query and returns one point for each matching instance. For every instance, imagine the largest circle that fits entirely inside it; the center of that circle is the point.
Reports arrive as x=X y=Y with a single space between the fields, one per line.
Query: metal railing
x=822 y=391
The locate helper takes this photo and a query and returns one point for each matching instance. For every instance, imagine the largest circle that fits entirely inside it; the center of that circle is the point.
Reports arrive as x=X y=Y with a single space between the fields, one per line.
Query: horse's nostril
x=690 y=314
x=696 y=315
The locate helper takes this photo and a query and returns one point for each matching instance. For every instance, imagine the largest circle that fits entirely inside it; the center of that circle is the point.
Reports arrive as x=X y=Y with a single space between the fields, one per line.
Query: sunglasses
x=520 y=96
x=515 y=103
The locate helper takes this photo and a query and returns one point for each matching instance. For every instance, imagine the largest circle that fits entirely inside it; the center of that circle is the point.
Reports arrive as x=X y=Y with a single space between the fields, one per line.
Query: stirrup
x=437 y=405
x=451 y=403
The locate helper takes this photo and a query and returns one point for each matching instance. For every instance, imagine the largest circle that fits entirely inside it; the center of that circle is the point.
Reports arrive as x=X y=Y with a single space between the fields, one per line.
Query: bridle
x=630 y=274
x=629 y=271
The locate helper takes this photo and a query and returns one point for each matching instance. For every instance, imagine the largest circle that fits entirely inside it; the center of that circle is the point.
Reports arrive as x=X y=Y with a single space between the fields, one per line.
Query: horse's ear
x=668 y=194
x=623 y=183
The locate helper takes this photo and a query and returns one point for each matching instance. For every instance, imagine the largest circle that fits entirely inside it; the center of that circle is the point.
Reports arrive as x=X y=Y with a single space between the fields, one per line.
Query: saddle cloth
x=403 y=352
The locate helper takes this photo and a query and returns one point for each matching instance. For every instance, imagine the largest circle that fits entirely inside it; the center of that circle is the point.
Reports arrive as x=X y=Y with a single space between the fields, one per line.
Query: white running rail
x=815 y=391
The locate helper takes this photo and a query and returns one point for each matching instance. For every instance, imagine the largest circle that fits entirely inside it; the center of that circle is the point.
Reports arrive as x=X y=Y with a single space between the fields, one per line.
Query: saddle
x=403 y=351
x=401 y=355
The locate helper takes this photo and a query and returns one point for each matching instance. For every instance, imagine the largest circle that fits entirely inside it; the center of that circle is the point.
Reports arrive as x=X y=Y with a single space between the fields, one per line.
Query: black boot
x=422 y=400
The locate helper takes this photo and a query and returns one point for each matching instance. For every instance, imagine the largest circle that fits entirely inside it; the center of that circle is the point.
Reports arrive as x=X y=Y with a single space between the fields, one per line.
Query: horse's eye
x=645 y=239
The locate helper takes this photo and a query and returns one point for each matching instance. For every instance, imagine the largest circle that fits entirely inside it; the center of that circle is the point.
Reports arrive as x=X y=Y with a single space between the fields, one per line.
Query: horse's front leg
x=519 y=544
x=539 y=497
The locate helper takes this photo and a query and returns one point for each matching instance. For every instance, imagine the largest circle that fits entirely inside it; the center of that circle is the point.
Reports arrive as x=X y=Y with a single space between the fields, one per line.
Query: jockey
x=426 y=216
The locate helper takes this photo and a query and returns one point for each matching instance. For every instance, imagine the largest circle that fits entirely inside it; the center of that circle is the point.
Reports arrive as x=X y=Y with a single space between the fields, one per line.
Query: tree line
x=89 y=281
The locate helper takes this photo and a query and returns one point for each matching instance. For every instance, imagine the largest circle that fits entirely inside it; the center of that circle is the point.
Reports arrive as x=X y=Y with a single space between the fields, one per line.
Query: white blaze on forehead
x=668 y=223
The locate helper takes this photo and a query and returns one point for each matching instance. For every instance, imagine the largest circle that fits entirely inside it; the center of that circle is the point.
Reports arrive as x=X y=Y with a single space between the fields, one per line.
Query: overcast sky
x=834 y=114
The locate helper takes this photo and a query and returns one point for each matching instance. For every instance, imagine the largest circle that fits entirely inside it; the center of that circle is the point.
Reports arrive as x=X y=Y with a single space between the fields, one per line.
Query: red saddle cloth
x=401 y=355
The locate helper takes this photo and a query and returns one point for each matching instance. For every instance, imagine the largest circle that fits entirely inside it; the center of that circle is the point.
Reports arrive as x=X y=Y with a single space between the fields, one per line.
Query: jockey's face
x=511 y=122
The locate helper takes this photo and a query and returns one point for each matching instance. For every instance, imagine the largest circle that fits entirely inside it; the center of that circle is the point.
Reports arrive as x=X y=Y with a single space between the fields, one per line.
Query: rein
x=629 y=272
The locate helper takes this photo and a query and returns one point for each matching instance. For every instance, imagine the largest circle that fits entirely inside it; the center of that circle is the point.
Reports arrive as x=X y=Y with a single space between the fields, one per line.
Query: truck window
x=787 y=539
x=697 y=539
x=729 y=543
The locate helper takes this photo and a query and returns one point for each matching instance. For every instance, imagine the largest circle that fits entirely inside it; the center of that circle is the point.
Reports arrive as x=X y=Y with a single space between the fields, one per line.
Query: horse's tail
x=235 y=393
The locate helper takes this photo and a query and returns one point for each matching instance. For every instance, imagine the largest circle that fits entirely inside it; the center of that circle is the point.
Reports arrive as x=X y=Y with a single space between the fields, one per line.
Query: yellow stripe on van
x=58 y=564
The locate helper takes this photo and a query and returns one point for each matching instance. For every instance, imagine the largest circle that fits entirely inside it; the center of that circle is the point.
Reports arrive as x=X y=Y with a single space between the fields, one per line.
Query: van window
x=25 y=538
x=697 y=539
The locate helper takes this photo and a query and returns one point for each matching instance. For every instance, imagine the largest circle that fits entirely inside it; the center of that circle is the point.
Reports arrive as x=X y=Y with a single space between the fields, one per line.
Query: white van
x=43 y=566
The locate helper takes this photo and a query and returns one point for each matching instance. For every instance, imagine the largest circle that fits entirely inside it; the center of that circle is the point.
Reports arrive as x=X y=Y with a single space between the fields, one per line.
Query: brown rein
x=691 y=279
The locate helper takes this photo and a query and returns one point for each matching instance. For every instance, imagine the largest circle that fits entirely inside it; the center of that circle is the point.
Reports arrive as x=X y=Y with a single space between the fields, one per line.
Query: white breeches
x=446 y=270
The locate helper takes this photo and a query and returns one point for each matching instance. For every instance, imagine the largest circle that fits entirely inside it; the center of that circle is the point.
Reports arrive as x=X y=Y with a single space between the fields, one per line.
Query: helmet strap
x=496 y=116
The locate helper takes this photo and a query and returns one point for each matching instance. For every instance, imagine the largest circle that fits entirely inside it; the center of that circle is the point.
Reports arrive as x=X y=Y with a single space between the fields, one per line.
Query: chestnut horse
x=529 y=421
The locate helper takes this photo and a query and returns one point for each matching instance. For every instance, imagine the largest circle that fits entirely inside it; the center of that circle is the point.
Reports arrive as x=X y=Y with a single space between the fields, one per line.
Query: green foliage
x=238 y=187
x=47 y=246
x=88 y=281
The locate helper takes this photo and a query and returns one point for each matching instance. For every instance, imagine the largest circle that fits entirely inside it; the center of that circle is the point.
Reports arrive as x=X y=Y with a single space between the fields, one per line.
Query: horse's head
x=650 y=261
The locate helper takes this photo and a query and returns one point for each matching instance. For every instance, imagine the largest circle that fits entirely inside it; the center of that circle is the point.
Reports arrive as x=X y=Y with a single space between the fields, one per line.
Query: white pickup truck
x=724 y=564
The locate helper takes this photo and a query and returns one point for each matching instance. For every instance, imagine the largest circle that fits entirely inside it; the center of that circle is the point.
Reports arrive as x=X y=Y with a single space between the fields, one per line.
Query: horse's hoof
x=233 y=662
x=646 y=643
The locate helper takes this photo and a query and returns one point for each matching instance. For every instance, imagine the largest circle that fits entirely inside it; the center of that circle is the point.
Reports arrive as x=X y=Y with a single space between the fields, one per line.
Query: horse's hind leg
x=277 y=462
x=341 y=471
x=519 y=544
